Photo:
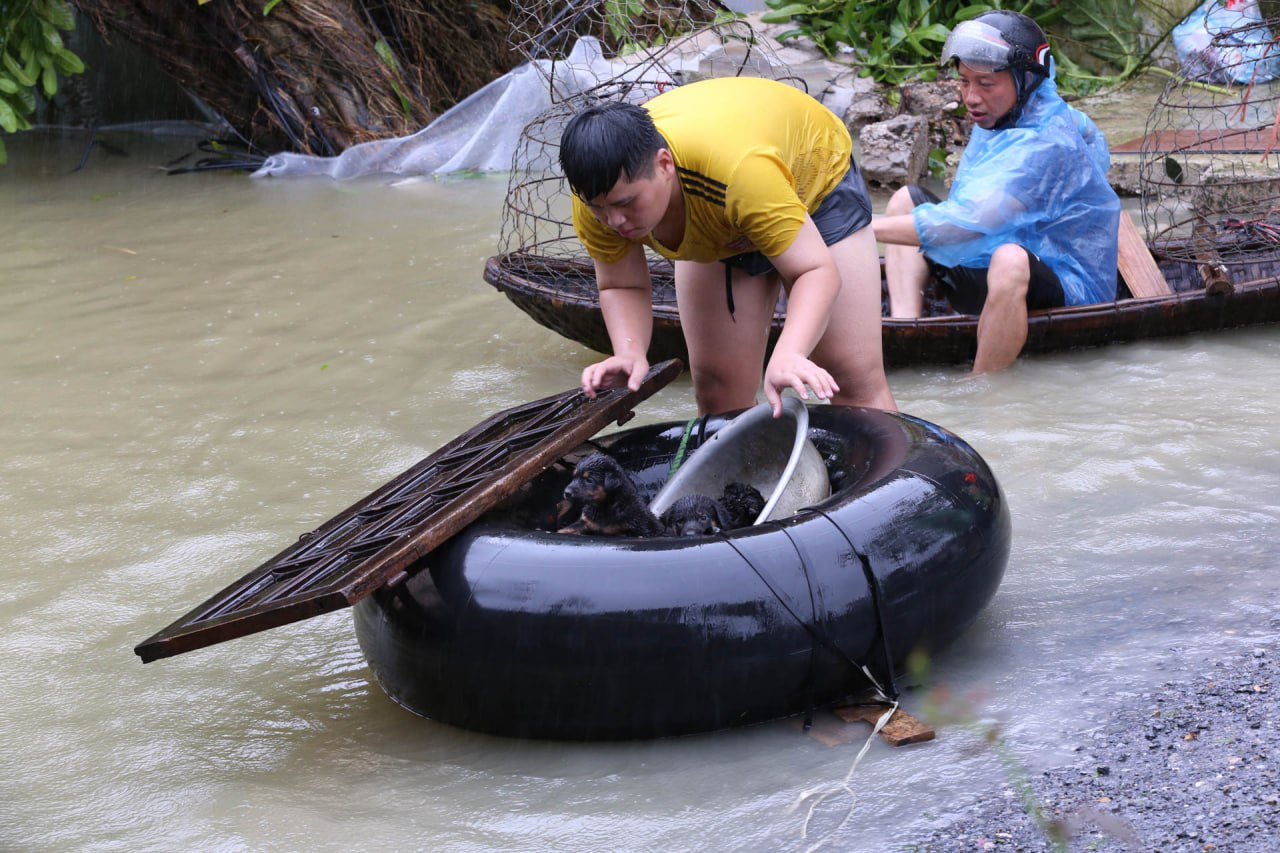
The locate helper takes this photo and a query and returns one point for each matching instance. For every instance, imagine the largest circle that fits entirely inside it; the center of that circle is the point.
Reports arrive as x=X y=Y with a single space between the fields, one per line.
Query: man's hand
x=792 y=370
x=614 y=372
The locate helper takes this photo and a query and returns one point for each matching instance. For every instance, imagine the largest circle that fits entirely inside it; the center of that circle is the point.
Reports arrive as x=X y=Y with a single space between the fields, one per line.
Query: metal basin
x=773 y=454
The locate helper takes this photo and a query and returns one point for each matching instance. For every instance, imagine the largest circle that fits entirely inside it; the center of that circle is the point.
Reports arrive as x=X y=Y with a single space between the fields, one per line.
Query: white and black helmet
x=1002 y=41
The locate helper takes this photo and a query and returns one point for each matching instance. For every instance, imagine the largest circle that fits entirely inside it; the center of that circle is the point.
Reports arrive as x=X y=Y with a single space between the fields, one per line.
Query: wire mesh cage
x=1210 y=159
x=547 y=29
x=645 y=48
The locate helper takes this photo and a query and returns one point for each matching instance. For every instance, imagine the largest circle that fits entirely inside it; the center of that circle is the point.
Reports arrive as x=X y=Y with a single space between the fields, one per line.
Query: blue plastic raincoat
x=1041 y=184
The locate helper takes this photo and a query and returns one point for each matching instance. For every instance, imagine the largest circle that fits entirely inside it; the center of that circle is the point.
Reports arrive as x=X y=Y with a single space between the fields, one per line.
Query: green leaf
x=49 y=81
x=1103 y=36
x=4 y=155
x=60 y=15
x=790 y=34
x=8 y=118
x=68 y=62
x=17 y=71
x=266 y=9
x=972 y=11
x=383 y=50
x=7 y=86
x=27 y=99
x=785 y=13
x=935 y=33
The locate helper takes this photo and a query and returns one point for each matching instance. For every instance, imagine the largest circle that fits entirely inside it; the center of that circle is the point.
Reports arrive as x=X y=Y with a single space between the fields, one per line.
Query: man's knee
x=717 y=391
x=1009 y=275
x=900 y=202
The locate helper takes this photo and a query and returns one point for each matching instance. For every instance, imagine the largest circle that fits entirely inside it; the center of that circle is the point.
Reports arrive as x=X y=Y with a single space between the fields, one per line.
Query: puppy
x=695 y=515
x=608 y=501
x=742 y=504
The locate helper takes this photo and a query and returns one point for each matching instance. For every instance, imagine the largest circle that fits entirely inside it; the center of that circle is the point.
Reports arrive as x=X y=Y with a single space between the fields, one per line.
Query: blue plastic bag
x=1226 y=41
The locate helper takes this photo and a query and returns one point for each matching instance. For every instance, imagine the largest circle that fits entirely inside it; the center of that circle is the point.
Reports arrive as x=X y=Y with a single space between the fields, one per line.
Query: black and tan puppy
x=742 y=503
x=608 y=502
x=695 y=515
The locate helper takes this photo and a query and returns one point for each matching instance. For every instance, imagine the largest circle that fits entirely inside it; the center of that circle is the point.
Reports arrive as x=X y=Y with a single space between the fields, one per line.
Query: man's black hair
x=605 y=142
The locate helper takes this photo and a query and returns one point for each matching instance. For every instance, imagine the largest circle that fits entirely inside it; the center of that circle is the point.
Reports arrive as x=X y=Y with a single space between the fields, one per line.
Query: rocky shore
x=1189 y=768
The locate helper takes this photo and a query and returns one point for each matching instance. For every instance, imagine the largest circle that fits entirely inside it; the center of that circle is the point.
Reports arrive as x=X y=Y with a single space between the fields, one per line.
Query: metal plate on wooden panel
x=378 y=538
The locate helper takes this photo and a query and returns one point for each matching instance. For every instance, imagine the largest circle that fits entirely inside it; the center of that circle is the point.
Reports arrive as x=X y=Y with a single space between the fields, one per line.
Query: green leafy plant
x=893 y=41
x=618 y=15
x=32 y=54
x=938 y=162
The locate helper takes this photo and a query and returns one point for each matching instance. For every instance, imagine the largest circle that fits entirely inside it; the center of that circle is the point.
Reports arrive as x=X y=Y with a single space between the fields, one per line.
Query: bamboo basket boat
x=561 y=295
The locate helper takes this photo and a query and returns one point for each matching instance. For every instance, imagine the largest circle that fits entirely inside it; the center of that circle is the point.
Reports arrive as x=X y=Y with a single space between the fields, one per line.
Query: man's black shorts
x=966 y=287
x=844 y=210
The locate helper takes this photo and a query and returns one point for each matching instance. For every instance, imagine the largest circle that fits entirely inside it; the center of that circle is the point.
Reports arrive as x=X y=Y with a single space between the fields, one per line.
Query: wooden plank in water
x=376 y=540
x=901 y=729
x=1136 y=264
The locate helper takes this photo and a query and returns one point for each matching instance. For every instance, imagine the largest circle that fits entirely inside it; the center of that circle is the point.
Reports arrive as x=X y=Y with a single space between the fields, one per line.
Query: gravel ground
x=1192 y=766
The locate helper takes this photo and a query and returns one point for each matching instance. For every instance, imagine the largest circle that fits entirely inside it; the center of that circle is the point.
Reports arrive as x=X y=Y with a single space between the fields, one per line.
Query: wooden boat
x=1204 y=294
x=472 y=612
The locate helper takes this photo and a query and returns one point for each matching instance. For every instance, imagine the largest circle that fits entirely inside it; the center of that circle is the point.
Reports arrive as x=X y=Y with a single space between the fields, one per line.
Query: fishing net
x=649 y=48
x=1210 y=160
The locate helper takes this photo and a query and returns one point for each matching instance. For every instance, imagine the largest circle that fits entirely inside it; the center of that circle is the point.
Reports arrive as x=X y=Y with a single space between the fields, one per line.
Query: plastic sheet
x=480 y=133
x=1226 y=41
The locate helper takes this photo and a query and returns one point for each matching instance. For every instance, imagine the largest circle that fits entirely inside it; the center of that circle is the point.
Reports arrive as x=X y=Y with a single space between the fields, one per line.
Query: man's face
x=987 y=95
x=634 y=207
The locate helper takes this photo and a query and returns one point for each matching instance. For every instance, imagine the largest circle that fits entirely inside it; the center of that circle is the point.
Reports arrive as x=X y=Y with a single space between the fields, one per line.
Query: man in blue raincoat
x=1031 y=221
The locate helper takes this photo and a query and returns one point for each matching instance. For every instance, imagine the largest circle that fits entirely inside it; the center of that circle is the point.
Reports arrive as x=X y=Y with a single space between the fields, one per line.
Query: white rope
x=823 y=793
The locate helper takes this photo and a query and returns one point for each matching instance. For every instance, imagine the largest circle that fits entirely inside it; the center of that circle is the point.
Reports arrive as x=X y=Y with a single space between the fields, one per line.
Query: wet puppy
x=695 y=515
x=742 y=504
x=607 y=501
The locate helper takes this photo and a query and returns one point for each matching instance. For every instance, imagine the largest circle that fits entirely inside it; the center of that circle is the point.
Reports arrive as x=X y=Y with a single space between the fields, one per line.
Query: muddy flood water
x=197 y=369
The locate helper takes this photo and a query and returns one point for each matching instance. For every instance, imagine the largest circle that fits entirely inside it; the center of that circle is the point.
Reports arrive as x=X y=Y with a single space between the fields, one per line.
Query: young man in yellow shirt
x=747 y=185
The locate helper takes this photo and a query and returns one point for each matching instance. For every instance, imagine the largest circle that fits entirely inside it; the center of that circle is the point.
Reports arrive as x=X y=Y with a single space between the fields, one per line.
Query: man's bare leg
x=1002 y=326
x=851 y=349
x=726 y=353
x=905 y=269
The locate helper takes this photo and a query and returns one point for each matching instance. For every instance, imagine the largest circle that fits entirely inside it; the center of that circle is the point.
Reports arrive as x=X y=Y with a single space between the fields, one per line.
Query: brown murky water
x=197 y=369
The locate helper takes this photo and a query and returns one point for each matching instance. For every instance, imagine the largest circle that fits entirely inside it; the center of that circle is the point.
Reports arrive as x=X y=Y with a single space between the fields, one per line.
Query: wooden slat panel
x=1136 y=264
x=378 y=538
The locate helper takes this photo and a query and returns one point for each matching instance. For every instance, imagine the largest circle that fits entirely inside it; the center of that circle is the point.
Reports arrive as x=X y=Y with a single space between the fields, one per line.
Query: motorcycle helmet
x=1002 y=41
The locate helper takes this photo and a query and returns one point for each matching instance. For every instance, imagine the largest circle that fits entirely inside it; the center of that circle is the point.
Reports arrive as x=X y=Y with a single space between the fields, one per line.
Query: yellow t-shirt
x=753 y=155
